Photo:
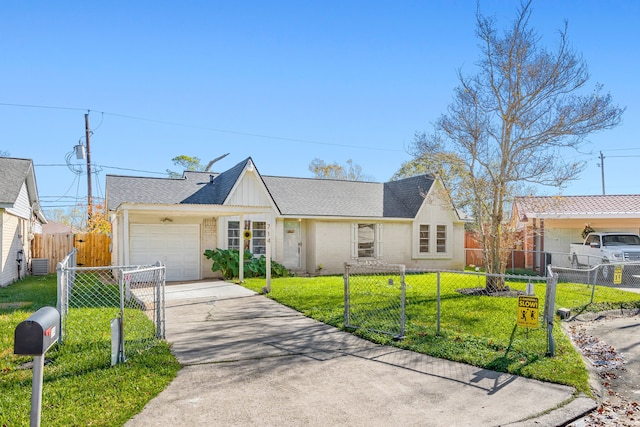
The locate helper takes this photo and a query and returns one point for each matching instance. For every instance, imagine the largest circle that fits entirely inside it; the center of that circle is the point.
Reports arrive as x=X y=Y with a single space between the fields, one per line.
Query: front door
x=292 y=244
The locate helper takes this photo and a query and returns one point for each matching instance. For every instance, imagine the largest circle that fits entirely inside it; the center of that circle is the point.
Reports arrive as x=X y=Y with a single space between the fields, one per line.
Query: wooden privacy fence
x=474 y=255
x=93 y=249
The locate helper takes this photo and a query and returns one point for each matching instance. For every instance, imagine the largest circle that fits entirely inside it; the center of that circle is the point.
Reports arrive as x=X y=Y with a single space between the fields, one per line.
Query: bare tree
x=191 y=163
x=510 y=123
x=351 y=172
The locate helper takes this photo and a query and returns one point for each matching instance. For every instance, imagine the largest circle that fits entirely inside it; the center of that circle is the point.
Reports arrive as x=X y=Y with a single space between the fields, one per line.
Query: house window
x=233 y=233
x=259 y=237
x=366 y=240
x=441 y=238
x=424 y=238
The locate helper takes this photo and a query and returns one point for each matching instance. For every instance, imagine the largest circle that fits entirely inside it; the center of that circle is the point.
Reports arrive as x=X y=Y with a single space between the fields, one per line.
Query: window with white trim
x=366 y=241
x=424 y=238
x=441 y=238
x=233 y=235
x=259 y=239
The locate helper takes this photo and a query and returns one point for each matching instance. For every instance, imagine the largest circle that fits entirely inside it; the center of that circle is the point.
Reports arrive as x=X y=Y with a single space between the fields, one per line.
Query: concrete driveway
x=248 y=360
x=610 y=343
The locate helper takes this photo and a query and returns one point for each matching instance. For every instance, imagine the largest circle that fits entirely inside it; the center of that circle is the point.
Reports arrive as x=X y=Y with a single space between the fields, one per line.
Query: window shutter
x=379 y=243
x=354 y=241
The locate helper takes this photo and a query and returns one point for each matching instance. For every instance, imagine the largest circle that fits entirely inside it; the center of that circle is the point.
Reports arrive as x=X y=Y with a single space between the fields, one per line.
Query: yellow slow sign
x=528 y=309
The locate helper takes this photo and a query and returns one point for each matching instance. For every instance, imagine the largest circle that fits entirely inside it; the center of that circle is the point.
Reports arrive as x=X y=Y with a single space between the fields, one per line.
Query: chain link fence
x=453 y=304
x=599 y=278
x=116 y=307
x=375 y=297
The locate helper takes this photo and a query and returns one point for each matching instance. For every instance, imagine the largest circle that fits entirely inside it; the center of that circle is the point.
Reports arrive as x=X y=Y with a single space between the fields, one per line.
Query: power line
x=231 y=132
x=622 y=149
x=624 y=156
x=43 y=106
x=106 y=167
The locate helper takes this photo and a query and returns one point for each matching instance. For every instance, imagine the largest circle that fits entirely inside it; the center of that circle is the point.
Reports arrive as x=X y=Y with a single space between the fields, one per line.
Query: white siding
x=331 y=244
x=10 y=229
x=249 y=191
x=435 y=211
x=21 y=207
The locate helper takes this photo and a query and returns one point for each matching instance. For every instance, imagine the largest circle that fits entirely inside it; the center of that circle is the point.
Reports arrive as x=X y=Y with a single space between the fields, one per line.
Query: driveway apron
x=248 y=360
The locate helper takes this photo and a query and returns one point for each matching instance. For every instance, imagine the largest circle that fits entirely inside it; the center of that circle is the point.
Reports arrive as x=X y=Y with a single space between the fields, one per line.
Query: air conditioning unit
x=40 y=266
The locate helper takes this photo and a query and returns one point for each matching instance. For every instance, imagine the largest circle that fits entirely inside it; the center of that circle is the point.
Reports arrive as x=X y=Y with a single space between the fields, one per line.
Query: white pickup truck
x=602 y=248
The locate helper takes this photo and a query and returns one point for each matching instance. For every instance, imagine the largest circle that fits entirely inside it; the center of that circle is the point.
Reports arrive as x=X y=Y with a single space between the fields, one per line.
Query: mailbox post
x=34 y=337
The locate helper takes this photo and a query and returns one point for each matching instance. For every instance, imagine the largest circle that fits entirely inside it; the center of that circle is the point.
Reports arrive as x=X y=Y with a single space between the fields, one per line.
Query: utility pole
x=87 y=134
x=601 y=167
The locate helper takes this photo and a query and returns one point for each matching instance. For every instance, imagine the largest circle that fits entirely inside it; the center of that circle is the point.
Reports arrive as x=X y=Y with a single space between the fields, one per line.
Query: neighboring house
x=314 y=226
x=550 y=223
x=54 y=227
x=20 y=217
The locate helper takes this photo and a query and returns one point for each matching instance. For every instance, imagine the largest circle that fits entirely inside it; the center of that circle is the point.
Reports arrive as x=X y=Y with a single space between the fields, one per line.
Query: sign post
x=33 y=337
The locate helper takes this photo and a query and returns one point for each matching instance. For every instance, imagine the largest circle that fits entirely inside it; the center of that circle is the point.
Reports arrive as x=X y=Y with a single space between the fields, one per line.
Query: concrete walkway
x=249 y=361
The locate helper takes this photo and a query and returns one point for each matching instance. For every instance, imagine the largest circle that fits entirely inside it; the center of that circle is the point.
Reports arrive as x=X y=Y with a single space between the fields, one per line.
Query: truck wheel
x=606 y=272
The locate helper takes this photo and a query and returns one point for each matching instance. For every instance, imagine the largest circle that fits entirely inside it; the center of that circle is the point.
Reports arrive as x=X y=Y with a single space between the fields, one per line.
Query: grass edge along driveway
x=477 y=330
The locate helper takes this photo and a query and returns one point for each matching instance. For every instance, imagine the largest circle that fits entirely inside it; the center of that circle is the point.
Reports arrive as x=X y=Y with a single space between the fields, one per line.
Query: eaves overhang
x=194 y=209
x=346 y=217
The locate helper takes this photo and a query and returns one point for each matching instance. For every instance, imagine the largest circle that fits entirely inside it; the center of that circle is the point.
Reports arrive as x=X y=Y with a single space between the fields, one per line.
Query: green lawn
x=478 y=330
x=80 y=387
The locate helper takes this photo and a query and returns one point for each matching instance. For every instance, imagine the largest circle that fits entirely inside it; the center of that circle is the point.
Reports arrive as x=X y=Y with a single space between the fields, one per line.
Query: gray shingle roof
x=325 y=197
x=13 y=173
x=293 y=196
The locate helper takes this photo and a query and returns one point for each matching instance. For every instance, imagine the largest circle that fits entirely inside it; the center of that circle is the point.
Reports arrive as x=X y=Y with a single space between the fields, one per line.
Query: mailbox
x=38 y=333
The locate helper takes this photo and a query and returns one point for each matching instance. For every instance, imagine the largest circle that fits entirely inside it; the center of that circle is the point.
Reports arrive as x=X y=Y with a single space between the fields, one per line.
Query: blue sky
x=281 y=81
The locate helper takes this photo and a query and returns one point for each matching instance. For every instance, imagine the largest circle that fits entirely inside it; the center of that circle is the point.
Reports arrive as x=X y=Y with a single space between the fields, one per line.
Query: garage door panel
x=177 y=246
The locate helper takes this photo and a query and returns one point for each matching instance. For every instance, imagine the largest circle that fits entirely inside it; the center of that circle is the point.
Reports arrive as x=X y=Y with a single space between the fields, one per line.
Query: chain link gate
x=134 y=295
x=375 y=298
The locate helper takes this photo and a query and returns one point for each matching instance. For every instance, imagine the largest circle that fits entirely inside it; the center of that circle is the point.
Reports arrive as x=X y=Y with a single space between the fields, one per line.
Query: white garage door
x=176 y=245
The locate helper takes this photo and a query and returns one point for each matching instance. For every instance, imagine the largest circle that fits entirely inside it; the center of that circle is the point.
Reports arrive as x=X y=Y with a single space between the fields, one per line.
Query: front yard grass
x=477 y=330
x=80 y=387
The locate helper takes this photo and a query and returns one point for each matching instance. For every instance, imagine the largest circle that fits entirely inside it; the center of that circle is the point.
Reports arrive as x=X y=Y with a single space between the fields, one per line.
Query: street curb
x=570 y=412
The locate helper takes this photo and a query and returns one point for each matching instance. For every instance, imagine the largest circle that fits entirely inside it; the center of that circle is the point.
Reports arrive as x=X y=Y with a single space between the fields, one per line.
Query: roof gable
x=192 y=188
x=214 y=188
x=13 y=174
x=404 y=198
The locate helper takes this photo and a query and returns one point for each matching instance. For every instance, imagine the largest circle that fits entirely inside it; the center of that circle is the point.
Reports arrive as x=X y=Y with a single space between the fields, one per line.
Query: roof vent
x=211 y=177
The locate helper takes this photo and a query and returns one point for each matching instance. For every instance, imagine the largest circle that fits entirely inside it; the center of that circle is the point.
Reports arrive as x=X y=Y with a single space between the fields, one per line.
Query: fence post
x=595 y=280
x=403 y=302
x=549 y=309
x=121 y=320
x=346 y=295
x=60 y=288
x=157 y=301
x=159 y=304
x=438 y=304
